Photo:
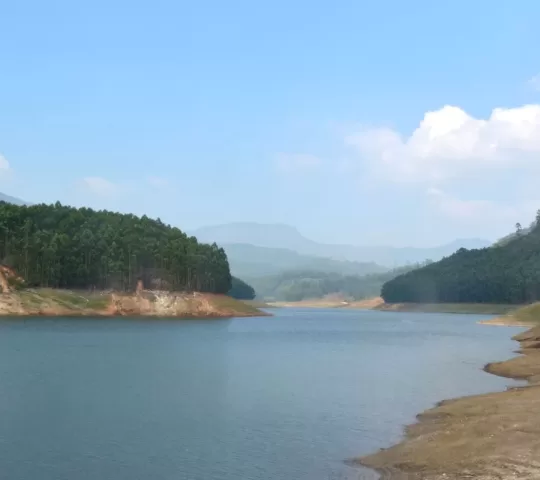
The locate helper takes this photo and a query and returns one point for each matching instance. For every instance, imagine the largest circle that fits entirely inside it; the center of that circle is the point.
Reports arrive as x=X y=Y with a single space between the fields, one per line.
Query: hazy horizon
x=287 y=226
x=362 y=124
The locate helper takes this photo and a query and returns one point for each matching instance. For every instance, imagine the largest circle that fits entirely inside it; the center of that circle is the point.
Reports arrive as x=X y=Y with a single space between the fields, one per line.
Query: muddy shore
x=494 y=436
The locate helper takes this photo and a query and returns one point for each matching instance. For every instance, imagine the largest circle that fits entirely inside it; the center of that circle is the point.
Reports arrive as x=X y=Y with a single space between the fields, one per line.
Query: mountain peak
x=274 y=235
x=279 y=235
x=10 y=199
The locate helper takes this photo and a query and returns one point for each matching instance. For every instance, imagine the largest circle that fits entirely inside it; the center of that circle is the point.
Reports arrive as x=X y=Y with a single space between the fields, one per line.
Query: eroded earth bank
x=486 y=437
x=52 y=302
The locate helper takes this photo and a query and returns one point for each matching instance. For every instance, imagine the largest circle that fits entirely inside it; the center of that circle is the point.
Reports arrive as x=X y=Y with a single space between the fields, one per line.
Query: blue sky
x=311 y=113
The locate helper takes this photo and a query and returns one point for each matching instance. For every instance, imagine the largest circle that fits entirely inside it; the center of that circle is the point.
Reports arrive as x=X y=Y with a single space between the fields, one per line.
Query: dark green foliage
x=301 y=285
x=512 y=236
x=58 y=246
x=509 y=273
x=241 y=290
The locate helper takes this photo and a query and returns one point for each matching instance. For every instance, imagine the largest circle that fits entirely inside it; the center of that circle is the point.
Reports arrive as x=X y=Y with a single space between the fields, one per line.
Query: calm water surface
x=283 y=398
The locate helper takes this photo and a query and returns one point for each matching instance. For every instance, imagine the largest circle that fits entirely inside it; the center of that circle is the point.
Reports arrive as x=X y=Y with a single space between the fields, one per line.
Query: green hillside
x=253 y=261
x=512 y=236
x=64 y=247
x=509 y=273
x=301 y=285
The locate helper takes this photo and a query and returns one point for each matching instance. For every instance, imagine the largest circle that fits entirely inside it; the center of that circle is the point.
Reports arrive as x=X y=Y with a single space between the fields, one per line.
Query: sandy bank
x=527 y=316
x=331 y=302
x=366 y=304
x=52 y=302
x=485 y=437
x=377 y=303
x=505 y=321
x=311 y=303
x=465 y=308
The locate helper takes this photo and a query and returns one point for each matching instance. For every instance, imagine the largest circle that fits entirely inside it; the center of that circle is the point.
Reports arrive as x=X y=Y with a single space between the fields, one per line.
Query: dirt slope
x=51 y=302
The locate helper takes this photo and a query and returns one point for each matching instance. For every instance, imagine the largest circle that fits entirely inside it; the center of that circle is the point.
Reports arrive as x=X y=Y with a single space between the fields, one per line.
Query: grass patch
x=257 y=303
x=65 y=298
x=98 y=302
x=229 y=303
x=527 y=314
x=30 y=299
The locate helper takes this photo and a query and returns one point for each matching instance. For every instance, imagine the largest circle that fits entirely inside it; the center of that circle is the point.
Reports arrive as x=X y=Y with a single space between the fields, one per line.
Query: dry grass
x=529 y=315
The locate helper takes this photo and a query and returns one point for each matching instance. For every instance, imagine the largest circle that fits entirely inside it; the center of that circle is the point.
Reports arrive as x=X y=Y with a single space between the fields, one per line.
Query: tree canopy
x=509 y=273
x=241 y=290
x=59 y=246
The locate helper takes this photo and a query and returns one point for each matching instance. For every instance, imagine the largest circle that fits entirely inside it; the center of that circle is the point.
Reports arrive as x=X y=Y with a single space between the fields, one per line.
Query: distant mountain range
x=10 y=199
x=279 y=236
x=298 y=285
x=259 y=250
x=248 y=261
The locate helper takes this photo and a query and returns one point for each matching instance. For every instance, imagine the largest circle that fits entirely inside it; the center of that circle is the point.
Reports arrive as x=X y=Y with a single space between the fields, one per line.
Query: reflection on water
x=285 y=397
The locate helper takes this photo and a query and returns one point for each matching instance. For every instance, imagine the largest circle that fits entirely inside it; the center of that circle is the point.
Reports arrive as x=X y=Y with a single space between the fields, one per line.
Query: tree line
x=506 y=273
x=241 y=290
x=60 y=246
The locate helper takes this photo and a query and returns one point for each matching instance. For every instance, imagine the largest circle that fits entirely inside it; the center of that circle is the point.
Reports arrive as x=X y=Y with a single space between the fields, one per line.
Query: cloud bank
x=449 y=143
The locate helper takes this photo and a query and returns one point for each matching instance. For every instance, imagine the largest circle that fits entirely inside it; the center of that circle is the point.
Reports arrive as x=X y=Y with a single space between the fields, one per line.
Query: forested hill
x=58 y=246
x=509 y=273
x=301 y=285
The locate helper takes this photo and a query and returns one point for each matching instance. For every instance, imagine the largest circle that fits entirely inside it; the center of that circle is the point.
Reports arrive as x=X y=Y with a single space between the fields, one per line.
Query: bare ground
x=332 y=302
x=52 y=302
x=485 y=437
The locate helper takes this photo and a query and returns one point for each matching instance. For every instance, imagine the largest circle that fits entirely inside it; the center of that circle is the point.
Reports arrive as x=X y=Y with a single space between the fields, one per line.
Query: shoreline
x=378 y=304
x=487 y=437
x=506 y=322
x=457 y=308
x=48 y=302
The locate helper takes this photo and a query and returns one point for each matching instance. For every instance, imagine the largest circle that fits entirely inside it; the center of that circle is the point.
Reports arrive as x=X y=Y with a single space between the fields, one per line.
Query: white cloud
x=534 y=82
x=4 y=164
x=158 y=182
x=296 y=162
x=451 y=143
x=5 y=169
x=100 y=186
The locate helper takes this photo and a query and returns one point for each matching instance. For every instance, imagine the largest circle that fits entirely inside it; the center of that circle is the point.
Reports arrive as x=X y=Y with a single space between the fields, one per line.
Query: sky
x=361 y=122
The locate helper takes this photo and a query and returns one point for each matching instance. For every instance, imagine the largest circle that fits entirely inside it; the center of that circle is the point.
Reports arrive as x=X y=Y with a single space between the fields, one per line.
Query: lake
x=289 y=397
